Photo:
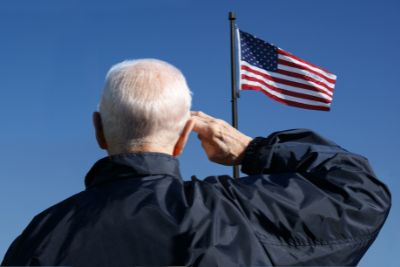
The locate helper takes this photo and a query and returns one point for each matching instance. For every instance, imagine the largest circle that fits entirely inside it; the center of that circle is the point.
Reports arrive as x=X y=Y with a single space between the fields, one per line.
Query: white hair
x=144 y=101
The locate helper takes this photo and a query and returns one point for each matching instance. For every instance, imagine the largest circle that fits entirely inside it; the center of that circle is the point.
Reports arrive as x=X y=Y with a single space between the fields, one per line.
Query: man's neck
x=146 y=147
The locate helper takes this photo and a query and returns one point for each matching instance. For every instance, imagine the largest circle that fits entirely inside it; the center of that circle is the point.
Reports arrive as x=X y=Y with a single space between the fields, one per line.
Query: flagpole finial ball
x=232 y=15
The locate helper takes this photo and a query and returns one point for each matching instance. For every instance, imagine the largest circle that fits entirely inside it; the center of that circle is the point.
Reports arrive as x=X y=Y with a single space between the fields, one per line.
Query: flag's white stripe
x=328 y=75
x=308 y=74
x=287 y=87
x=287 y=97
x=303 y=81
x=285 y=53
x=289 y=78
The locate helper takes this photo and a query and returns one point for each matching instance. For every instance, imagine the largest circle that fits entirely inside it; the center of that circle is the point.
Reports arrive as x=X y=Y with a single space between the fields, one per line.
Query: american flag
x=283 y=76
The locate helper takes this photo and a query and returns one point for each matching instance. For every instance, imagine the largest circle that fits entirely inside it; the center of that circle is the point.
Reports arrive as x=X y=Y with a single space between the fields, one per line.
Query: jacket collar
x=130 y=165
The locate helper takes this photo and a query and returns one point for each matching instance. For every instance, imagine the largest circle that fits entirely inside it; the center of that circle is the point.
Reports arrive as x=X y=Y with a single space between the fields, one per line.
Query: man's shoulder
x=43 y=225
x=59 y=208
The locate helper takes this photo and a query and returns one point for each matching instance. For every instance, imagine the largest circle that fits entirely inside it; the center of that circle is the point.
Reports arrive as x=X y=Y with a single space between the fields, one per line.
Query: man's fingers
x=222 y=143
x=199 y=125
x=202 y=115
x=205 y=123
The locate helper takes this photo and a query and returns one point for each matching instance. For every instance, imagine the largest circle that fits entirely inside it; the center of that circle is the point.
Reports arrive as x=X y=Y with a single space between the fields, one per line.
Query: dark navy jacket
x=306 y=202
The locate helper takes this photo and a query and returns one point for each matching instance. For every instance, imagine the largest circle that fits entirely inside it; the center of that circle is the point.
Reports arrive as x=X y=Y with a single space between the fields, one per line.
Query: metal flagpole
x=232 y=19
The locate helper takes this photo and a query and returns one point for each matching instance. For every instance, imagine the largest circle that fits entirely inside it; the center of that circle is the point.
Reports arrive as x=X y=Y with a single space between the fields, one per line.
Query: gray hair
x=144 y=101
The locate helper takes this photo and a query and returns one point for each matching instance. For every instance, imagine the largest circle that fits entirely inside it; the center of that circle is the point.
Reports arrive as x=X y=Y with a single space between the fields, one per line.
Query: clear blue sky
x=54 y=55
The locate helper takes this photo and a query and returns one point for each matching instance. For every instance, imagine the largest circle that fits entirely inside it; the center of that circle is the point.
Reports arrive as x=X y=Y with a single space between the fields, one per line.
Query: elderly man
x=306 y=200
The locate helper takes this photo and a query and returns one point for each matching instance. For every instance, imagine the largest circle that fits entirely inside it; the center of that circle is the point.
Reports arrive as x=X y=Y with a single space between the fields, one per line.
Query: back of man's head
x=144 y=101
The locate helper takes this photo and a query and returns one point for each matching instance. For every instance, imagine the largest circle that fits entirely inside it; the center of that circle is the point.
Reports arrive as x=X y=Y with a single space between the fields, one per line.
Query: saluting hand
x=222 y=143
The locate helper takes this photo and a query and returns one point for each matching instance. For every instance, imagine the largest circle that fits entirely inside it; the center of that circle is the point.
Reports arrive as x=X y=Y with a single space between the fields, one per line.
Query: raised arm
x=314 y=195
x=310 y=201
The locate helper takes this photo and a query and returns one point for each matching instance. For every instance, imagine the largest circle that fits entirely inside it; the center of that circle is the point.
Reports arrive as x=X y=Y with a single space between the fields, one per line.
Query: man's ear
x=184 y=136
x=98 y=126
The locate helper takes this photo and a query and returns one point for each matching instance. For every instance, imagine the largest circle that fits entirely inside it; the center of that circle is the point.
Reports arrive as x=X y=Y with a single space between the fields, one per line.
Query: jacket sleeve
x=309 y=200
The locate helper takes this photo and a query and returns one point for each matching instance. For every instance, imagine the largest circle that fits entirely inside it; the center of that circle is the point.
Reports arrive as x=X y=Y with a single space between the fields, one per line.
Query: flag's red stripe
x=286 y=92
x=283 y=81
x=284 y=101
x=303 y=77
x=283 y=52
x=294 y=65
